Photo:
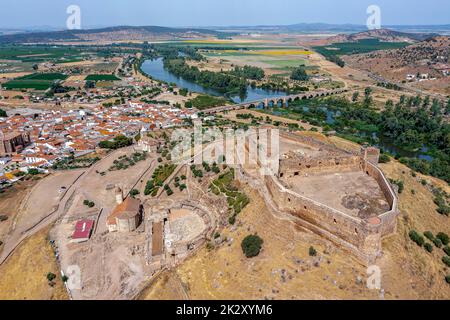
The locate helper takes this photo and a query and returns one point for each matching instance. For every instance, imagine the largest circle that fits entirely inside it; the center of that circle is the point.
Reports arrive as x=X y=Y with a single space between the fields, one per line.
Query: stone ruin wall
x=300 y=166
x=357 y=236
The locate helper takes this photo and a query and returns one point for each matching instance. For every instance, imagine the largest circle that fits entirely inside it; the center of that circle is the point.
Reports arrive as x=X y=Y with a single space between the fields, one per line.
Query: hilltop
x=385 y=35
x=426 y=57
x=120 y=33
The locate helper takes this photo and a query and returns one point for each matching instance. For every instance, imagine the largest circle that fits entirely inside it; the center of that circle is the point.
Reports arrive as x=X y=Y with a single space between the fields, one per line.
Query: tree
x=443 y=237
x=251 y=245
x=355 y=96
x=299 y=74
x=3 y=113
x=417 y=238
x=312 y=252
x=33 y=171
x=51 y=276
x=134 y=192
x=367 y=96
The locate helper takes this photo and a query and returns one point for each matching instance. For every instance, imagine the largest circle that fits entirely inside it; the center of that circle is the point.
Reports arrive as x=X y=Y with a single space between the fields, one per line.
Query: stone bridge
x=284 y=100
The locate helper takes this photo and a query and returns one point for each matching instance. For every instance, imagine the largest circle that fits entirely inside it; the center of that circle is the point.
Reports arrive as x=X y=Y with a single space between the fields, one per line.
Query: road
x=16 y=238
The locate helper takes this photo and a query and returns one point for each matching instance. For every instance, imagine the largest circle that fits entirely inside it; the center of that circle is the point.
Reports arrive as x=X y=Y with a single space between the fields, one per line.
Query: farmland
x=362 y=46
x=38 y=54
x=36 y=81
x=101 y=77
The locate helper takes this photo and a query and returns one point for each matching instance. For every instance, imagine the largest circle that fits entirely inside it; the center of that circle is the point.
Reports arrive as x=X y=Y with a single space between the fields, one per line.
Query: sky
x=177 y=13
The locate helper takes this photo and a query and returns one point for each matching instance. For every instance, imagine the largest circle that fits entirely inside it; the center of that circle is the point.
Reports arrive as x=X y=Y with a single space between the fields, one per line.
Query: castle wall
x=301 y=166
x=360 y=237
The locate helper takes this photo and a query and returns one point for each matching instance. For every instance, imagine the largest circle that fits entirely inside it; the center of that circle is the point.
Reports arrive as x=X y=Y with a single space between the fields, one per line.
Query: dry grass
x=23 y=275
x=283 y=270
x=408 y=272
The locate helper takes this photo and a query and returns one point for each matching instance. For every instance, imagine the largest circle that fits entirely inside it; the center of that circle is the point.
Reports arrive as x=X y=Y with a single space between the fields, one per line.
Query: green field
x=38 y=54
x=36 y=81
x=101 y=77
x=362 y=46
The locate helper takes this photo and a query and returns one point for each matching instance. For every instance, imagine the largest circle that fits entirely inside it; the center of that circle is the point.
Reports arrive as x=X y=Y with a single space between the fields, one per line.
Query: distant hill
x=431 y=56
x=120 y=33
x=385 y=35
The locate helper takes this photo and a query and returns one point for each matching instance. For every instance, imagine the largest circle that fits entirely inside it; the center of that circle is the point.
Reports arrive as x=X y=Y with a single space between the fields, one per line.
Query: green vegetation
x=446 y=260
x=101 y=77
x=204 y=101
x=399 y=183
x=118 y=142
x=251 y=245
x=89 y=203
x=75 y=163
x=361 y=46
x=299 y=74
x=428 y=247
x=384 y=158
x=124 y=162
x=409 y=126
x=417 y=238
x=312 y=252
x=33 y=171
x=134 y=192
x=37 y=54
x=3 y=113
x=222 y=82
x=248 y=72
x=443 y=237
x=236 y=200
x=36 y=81
x=440 y=200
x=51 y=276
x=160 y=175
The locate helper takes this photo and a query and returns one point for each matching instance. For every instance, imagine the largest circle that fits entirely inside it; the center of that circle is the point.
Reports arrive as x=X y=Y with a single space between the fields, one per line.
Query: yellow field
x=284 y=52
x=225 y=41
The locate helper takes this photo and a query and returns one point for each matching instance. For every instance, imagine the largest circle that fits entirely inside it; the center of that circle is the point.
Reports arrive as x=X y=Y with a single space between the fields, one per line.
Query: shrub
x=447 y=250
x=437 y=242
x=384 y=158
x=446 y=260
x=251 y=245
x=428 y=235
x=33 y=171
x=447 y=279
x=232 y=219
x=428 y=247
x=312 y=252
x=134 y=192
x=91 y=204
x=443 y=237
x=3 y=217
x=51 y=276
x=417 y=238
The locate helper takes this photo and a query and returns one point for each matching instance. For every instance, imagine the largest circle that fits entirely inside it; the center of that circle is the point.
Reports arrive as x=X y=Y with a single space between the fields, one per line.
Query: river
x=155 y=69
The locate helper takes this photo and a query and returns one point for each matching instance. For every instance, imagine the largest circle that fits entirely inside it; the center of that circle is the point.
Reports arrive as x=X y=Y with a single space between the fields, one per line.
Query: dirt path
x=18 y=235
